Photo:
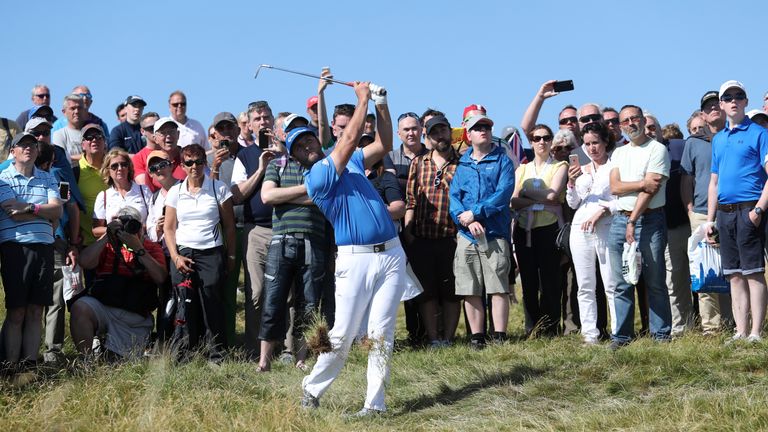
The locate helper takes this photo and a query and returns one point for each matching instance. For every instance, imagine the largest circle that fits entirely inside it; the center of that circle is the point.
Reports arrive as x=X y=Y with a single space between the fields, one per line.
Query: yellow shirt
x=90 y=184
x=531 y=180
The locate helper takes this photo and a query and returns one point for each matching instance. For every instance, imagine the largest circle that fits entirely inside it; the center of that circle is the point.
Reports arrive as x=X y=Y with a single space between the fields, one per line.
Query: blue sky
x=661 y=55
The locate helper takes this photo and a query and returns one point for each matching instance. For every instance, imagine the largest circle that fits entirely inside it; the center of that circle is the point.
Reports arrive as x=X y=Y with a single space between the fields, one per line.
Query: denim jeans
x=291 y=262
x=651 y=235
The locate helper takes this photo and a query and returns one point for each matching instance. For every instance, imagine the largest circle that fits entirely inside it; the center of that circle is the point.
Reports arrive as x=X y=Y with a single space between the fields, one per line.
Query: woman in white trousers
x=589 y=193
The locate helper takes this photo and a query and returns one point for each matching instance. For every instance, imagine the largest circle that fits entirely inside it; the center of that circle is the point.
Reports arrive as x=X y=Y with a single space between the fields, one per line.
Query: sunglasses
x=545 y=138
x=438 y=177
x=115 y=166
x=44 y=133
x=562 y=148
x=27 y=144
x=191 y=162
x=408 y=114
x=156 y=167
x=84 y=95
x=179 y=104
x=43 y=95
x=568 y=120
x=481 y=128
x=590 y=118
x=93 y=137
x=612 y=121
x=633 y=119
x=149 y=129
x=733 y=97
x=651 y=128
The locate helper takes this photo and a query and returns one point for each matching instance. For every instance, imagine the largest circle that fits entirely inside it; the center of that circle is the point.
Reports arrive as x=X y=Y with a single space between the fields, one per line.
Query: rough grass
x=693 y=383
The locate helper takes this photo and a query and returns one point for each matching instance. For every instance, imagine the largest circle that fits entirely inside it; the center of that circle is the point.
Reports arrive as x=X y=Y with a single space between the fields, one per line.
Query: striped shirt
x=290 y=218
x=41 y=188
x=431 y=203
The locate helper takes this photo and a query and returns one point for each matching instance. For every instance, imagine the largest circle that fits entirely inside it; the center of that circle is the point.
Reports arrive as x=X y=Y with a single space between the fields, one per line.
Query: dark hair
x=195 y=151
x=119 y=108
x=565 y=108
x=610 y=109
x=258 y=106
x=431 y=112
x=148 y=115
x=44 y=154
x=537 y=127
x=343 y=109
x=602 y=132
x=632 y=106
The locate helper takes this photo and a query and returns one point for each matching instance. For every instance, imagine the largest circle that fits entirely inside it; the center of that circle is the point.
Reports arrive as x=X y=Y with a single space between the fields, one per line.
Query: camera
x=224 y=144
x=124 y=223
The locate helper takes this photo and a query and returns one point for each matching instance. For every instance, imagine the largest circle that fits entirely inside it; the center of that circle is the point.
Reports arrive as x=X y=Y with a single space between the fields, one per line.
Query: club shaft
x=309 y=75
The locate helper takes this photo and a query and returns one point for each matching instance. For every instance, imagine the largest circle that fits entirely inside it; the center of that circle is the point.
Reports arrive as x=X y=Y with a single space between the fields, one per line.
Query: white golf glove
x=378 y=94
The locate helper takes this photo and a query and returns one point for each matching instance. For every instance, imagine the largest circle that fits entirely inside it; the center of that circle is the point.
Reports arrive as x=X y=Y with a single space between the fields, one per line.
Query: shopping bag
x=705 y=265
x=631 y=263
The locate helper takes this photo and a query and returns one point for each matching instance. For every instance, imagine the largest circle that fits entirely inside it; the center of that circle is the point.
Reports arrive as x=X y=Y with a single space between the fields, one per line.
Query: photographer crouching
x=119 y=303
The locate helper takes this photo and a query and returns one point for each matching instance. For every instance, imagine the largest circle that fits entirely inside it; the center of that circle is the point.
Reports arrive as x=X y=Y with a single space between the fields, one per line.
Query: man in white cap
x=738 y=197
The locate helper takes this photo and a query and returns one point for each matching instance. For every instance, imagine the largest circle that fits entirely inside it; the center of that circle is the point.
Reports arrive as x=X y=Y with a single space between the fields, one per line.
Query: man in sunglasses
x=190 y=130
x=430 y=232
x=638 y=178
x=41 y=96
x=127 y=135
x=738 y=197
x=611 y=119
x=140 y=175
x=85 y=93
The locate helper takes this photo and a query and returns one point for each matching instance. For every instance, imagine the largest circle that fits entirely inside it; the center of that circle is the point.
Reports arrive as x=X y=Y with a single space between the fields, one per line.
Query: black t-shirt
x=387 y=186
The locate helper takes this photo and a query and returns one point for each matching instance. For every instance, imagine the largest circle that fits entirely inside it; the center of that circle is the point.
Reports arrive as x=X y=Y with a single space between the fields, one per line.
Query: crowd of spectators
x=110 y=224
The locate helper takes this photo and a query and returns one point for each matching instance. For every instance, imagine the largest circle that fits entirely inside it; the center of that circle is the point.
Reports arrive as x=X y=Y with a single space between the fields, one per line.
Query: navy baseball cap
x=295 y=134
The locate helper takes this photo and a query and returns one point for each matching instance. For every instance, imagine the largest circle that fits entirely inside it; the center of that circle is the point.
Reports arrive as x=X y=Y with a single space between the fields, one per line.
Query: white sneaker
x=753 y=338
x=735 y=338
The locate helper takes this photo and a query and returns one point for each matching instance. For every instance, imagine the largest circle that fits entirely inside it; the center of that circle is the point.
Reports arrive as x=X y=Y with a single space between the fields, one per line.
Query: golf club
x=383 y=91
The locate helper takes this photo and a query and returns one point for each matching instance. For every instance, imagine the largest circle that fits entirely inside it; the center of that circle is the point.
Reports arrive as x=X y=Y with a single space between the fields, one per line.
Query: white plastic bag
x=412 y=285
x=72 y=279
x=705 y=266
x=631 y=263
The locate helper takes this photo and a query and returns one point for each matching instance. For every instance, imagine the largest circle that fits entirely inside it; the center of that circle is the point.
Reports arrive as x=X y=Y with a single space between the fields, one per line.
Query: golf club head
x=259 y=70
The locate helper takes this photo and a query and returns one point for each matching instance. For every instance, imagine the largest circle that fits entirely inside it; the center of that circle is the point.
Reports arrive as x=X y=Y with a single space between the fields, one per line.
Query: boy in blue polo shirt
x=738 y=197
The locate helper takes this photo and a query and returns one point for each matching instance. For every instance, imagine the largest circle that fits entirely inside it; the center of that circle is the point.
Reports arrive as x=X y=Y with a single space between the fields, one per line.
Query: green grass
x=693 y=383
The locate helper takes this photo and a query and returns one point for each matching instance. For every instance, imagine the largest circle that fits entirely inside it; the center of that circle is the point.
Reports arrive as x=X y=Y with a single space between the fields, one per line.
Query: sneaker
x=365 y=413
x=590 y=342
x=287 y=358
x=435 y=344
x=753 y=338
x=615 y=345
x=735 y=338
x=309 y=402
x=477 y=344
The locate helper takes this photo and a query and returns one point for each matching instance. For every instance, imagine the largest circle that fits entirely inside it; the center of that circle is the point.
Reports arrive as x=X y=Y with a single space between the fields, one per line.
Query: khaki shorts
x=475 y=270
x=127 y=333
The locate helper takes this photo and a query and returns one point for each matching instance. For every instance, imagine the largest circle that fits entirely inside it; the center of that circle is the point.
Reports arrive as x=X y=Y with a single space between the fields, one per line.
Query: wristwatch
x=630 y=222
x=30 y=208
x=758 y=211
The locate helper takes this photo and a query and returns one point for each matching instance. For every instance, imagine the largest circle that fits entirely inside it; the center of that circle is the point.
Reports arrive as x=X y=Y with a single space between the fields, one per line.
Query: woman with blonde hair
x=117 y=172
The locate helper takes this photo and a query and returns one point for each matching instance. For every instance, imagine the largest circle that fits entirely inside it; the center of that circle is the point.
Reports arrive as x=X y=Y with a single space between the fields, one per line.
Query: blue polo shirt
x=38 y=189
x=739 y=158
x=127 y=137
x=350 y=202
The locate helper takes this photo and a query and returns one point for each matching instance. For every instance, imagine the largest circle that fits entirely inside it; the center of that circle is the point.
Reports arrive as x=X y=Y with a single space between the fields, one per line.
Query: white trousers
x=365 y=282
x=585 y=247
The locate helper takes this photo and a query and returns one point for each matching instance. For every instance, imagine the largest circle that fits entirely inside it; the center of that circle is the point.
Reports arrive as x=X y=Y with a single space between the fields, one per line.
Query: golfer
x=370 y=266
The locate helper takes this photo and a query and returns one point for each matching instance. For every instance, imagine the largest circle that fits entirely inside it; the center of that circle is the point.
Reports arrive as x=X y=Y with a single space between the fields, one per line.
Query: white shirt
x=198 y=215
x=138 y=197
x=633 y=162
x=193 y=132
x=238 y=173
x=155 y=213
x=591 y=192
x=70 y=140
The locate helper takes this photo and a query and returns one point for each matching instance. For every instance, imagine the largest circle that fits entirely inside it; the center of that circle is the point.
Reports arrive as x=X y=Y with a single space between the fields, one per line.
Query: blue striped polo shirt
x=38 y=189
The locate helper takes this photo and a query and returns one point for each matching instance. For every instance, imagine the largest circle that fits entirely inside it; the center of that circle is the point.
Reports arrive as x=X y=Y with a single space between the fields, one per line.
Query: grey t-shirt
x=697 y=162
x=225 y=175
x=70 y=140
